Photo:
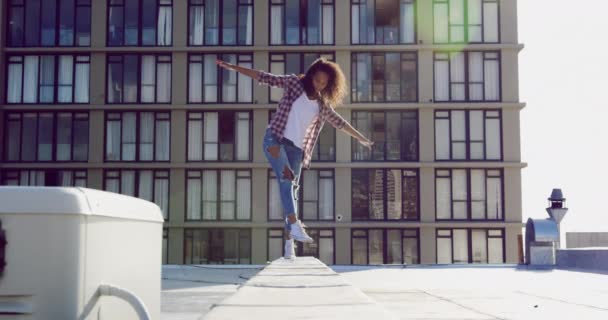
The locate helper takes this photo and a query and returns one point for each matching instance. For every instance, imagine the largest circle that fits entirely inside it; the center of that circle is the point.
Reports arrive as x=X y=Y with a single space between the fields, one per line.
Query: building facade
x=125 y=96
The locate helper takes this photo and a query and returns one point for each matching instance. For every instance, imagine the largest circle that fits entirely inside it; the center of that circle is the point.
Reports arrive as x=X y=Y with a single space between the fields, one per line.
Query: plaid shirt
x=292 y=90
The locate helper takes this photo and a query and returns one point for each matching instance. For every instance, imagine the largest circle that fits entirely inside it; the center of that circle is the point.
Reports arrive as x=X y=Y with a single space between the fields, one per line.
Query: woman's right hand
x=224 y=64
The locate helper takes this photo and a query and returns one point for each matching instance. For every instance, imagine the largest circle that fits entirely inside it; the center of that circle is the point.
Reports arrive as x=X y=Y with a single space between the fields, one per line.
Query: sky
x=563 y=80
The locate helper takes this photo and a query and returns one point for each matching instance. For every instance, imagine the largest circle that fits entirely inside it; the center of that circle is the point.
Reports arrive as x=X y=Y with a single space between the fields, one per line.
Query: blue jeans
x=288 y=157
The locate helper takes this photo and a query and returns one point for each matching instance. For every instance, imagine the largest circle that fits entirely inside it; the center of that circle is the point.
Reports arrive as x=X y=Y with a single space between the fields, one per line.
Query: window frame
x=469 y=232
x=468 y=141
x=202 y=120
x=157 y=175
x=83 y=174
x=55 y=117
x=404 y=116
x=239 y=4
x=385 y=242
x=138 y=114
x=466 y=24
x=469 y=201
x=56 y=71
x=302 y=26
x=300 y=195
x=57 y=28
x=219 y=77
x=375 y=43
x=385 y=200
x=372 y=54
x=140 y=9
x=218 y=199
x=467 y=84
x=138 y=71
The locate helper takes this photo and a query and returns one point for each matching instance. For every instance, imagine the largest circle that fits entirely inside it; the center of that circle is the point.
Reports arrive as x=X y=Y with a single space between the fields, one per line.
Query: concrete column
x=180 y=28
x=259 y=245
x=428 y=245
x=427 y=194
x=175 y=246
x=96 y=136
x=343 y=245
x=179 y=81
x=179 y=125
x=177 y=196
x=512 y=192
x=261 y=23
x=259 y=192
x=511 y=135
x=98 y=24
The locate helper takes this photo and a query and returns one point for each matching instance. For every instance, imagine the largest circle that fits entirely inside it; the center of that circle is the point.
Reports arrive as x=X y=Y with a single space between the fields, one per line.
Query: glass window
x=385 y=246
x=49 y=23
x=461 y=246
x=469 y=194
x=384 y=77
x=230 y=23
x=395 y=135
x=137 y=136
x=48 y=79
x=150 y=185
x=295 y=22
x=217 y=246
x=462 y=21
x=140 y=22
x=385 y=194
x=218 y=195
x=50 y=136
x=314 y=196
x=219 y=136
x=207 y=83
x=138 y=78
x=383 y=22
x=45 y=177
x=467 y=76
x=468 y=135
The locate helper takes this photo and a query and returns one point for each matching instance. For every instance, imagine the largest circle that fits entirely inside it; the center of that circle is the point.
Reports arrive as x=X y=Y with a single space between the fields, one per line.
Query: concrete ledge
x=583 y=258
x=304 y=288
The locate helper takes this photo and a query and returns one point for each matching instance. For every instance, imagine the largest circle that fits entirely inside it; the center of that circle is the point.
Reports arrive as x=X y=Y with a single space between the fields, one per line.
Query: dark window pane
x=32 y=23
x=66 y=23
x=29 y=137
x=360 y=190
x=313 y=30
x=229 y=22
x=292 y=22
x=81 y=139
x=16 y=27
x=226 y=135
x=148 y=20
x=131 y=22
x=45 y=137
x=48 y=23
x=211 y=22
x=116 y=29
x=130 y=78
x=83 y=26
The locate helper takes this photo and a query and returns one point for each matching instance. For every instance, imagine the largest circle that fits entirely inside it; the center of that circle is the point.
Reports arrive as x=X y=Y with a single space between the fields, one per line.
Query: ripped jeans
x=286 y=162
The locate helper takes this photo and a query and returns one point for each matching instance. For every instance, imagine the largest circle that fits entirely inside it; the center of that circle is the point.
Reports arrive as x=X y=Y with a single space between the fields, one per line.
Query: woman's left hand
x=367 y=143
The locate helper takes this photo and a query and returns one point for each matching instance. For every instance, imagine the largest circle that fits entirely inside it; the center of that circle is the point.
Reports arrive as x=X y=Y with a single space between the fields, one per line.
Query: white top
x=302 y=113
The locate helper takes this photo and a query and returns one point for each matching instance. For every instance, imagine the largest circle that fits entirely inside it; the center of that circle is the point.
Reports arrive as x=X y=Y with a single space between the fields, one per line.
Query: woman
x=308 y=102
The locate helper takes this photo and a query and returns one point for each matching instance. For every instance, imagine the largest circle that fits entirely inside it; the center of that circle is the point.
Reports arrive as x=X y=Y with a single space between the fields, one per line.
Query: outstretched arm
x=336 y=120
x=357 y=135
x=279 y=81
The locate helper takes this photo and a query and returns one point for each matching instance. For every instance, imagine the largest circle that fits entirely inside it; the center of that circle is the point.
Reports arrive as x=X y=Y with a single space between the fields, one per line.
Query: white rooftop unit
x=77 y=253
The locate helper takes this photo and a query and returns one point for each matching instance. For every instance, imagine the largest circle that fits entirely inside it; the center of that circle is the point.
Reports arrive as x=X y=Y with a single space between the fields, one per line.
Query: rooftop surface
x=413 y=292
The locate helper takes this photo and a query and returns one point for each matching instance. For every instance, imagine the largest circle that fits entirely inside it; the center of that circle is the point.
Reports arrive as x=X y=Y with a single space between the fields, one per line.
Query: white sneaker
x=298 y=232
x=290 y=250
